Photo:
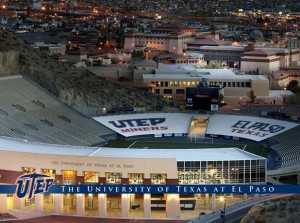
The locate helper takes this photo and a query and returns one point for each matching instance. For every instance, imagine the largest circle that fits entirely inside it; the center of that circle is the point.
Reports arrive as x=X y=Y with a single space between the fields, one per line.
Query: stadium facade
x=110 y=166
x=41 y=134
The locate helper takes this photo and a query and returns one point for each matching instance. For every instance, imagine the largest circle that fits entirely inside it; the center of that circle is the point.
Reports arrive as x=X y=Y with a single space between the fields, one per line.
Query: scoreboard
x=202 y=98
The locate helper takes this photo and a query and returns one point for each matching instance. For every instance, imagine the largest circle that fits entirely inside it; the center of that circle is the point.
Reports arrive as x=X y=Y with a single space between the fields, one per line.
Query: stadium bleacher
x=31 y=113
x=287 y=147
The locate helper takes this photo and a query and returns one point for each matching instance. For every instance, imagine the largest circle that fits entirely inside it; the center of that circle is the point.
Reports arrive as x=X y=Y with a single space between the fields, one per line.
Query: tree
x=293 y=86
x=213 y=65
x=293 y=100
x=221 y=98
x=251 y=96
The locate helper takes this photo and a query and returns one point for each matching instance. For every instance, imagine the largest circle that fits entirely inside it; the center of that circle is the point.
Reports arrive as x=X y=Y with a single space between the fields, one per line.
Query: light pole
x=158 y=85
x=155 y=98
x=222 y=199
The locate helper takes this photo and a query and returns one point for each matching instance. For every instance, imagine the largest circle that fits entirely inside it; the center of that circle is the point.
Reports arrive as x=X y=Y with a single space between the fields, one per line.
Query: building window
x=49 y=172
x=180 y=91
x=91 y=177
x=166 y=84
x=113 y=178
x=28 y=169
x=69 y=176
x=158 y=178
x=167 y=91
x=189 y=172
x=136 y=178
x=189 y=177
x=248 y=84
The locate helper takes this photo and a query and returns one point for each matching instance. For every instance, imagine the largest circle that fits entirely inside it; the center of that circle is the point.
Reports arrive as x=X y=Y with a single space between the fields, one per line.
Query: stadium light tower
x=156 y=93
x=222 y=199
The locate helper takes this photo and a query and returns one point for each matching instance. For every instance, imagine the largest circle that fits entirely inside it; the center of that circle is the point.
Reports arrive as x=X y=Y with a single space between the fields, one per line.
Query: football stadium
x=40 y=134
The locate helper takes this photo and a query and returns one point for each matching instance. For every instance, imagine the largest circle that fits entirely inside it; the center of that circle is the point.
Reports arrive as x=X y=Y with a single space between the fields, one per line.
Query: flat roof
x=196 y=76
x=180 y=154
x=192 y=69
x=13 y=145
x=276 y=93
x=235 y=48
x=242 y=48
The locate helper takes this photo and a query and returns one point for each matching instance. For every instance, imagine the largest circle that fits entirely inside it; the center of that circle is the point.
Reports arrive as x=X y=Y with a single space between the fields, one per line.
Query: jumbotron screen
x=201 y=98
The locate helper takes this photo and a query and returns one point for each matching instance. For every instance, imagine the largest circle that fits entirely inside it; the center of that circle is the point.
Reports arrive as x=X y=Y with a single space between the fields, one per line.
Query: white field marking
x=131 y=144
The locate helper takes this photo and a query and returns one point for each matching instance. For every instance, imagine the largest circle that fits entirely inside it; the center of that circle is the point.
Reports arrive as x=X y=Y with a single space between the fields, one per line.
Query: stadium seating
x=292 y=133
x=29 y=112
x=287 y=147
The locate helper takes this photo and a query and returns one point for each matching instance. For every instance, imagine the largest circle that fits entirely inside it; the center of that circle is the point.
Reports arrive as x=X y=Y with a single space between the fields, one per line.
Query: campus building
x=250 y=57
x=41 y=134
x=109 y=166
x=173 y=38
x=83 y=165
x=51 y=48
x=166 y=37
x=287 y=74
x=171 y=82
x=294 y=43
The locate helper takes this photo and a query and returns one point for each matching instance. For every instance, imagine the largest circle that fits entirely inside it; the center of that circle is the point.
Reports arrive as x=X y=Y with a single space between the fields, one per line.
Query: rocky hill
x=74 y=86
x=275 y=211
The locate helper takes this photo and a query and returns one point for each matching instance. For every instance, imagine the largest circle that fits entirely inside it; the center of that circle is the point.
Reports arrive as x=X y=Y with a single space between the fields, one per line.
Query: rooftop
x=259 y=52
x=222 y=47
x=178 y=154
x=207 y=41
x=145 y=63
x=210 y=75
x=187 y=69
x=171 y=27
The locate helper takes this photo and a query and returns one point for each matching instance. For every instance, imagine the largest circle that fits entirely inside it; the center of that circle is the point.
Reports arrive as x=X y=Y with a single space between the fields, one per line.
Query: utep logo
x=137 y=122
x=32 y=183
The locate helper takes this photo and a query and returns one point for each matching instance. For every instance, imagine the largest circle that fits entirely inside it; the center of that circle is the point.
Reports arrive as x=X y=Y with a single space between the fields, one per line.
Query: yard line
x=131 y=144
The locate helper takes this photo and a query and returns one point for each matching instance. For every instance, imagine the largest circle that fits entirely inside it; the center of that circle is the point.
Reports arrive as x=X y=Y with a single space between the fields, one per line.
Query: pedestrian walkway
x=67 y=219
x=24 y=214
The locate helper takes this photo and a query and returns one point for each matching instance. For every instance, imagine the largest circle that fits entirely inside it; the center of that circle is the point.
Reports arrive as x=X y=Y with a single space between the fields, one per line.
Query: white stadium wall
x=147 y=123
x=248 y=127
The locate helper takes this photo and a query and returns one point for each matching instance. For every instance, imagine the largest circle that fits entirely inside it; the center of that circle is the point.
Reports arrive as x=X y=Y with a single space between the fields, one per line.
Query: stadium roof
x=180 y=154
x=7 y=144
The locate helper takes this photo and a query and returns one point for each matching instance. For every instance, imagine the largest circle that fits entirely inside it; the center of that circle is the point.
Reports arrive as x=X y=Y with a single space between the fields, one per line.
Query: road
x=234 y=217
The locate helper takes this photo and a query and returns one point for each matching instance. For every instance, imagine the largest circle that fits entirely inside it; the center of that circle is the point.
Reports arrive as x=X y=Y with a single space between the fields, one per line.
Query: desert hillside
x=72 y=85
x=275 y=211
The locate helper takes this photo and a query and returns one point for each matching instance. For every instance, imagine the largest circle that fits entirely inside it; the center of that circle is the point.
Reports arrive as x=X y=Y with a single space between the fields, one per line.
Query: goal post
x=199 y=139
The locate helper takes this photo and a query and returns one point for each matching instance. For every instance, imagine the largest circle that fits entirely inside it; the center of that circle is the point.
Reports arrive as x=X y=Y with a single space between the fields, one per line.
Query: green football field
x=184 y=144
